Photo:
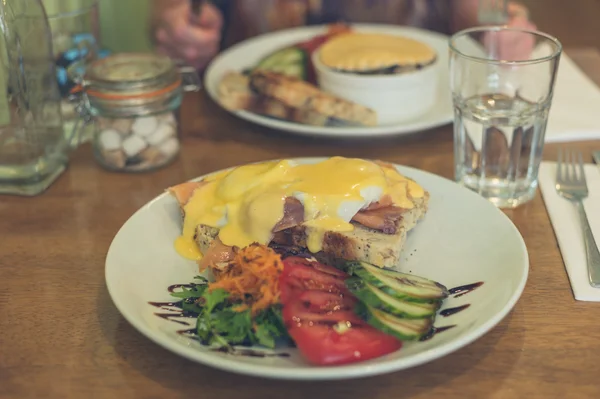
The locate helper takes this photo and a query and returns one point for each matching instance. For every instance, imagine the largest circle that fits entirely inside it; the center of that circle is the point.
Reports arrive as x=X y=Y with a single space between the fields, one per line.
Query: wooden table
x=62 y=337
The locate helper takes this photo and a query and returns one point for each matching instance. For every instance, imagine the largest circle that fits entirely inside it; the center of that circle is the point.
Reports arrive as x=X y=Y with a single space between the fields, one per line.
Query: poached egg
x=246 y=202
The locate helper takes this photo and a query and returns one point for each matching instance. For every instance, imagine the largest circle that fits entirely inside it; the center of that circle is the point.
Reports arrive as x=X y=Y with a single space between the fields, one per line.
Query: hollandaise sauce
x=246 y=202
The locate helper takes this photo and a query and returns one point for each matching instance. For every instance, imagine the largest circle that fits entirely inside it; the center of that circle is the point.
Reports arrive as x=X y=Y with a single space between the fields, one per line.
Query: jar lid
x=132 y=84
x=131 y=76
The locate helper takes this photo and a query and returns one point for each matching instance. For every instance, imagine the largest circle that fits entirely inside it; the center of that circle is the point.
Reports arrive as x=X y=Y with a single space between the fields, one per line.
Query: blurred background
x=123 y=24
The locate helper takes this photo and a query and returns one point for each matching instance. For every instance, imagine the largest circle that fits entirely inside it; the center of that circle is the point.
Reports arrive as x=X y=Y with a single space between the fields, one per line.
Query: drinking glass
x=502 y=81
x=74 y=25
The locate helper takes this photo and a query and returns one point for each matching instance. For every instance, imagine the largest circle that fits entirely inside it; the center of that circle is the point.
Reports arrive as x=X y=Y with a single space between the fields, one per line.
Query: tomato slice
x=323 y=345
x=296 y=278
x=288 y=290
x=320 y=302
x=311 y=45
x=297 y=260
x=313 y=279
x=311 y=308
x=318 y=313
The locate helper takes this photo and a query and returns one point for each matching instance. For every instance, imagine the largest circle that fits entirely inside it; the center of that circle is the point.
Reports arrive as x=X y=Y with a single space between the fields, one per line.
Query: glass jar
x=133 y=102
x=33 y=149
x=74 y=26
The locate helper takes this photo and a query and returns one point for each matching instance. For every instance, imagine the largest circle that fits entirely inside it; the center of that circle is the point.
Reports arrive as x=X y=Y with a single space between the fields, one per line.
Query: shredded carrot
x=252 y=277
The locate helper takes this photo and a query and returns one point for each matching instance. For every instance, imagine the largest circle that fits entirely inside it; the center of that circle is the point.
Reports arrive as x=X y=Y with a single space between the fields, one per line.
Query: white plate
x=249 y=52
x=463 y=239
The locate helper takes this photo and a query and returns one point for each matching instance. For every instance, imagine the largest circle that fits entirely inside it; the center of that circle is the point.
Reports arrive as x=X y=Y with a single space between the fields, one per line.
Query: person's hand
x=180 y=34
x=513 y=45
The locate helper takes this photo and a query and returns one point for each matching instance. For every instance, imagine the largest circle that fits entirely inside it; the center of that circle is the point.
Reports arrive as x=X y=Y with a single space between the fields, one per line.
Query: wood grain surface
x=62 y=337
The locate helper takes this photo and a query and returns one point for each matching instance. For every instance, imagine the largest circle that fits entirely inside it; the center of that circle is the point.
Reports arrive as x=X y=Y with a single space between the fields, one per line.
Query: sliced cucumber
x=378 y=299
x=290 y=55
x=402 y=286
x=290 y=61
x=403 y=329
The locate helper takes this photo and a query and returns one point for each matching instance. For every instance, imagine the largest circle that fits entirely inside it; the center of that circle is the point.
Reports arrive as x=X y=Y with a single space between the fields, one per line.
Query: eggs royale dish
x=339 y=208
x=296 y=252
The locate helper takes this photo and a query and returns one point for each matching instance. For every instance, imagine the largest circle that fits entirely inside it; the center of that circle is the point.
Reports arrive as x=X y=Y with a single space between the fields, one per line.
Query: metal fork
x=492 y=12
x=571 y=185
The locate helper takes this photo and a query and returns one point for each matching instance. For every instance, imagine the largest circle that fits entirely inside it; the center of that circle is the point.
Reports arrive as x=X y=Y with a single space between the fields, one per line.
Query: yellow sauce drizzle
x=245 y=203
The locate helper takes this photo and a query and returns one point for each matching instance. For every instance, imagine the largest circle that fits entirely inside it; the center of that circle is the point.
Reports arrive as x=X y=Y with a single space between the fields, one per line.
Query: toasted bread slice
x=235 y=94
x=361 y=244
x=302 y=95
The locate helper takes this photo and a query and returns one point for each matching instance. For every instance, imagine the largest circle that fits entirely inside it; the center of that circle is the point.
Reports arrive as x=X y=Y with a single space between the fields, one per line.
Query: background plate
x=247 y=53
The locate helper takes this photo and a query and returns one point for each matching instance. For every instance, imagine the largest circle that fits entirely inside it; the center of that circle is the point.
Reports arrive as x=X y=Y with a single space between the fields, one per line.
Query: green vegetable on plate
x=220 y=322
x=290 y=61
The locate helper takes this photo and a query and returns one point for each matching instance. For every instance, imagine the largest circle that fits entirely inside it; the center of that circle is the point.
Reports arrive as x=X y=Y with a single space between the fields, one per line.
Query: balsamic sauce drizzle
x=435 y=331
x=169 y=316
x=167 y=305
x=464 y=289
x=451 y=311
x=177 y=311
x=191 y=332
x=247 y=352
x=456 y=292
x=173 y=287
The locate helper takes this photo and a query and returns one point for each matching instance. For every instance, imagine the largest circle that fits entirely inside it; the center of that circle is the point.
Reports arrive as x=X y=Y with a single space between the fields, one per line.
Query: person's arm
x=179 y=33
x=508 y=46
x=158 y=10
x=463 y=15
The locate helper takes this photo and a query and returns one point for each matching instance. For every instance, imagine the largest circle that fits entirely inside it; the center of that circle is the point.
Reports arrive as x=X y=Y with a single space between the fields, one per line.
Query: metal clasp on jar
x=190 y=80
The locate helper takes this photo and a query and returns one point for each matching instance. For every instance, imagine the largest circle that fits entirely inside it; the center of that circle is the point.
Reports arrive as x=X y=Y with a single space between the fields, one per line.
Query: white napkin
x=575 y=110
x=565 y=221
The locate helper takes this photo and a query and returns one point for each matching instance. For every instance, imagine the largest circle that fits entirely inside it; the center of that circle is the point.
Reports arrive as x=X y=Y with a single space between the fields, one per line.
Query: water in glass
x=499 y=142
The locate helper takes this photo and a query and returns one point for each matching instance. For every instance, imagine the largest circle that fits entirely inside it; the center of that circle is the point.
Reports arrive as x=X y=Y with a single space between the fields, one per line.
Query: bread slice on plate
x=361 y=244
x=234 y=92
x=302 y=95
x=277 y=96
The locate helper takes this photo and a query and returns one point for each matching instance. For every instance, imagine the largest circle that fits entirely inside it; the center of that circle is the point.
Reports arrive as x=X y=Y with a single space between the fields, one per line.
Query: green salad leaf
x=195 y=290
x=220 y=324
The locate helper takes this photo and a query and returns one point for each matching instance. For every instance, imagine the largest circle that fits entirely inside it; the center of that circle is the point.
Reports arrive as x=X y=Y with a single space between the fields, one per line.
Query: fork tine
x=569 y=165
x=576 y=174
x=581 y=170
x=567 y=175
x=572 y=169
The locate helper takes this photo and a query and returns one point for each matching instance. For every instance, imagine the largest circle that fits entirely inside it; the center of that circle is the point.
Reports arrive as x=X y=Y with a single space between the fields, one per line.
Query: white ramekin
x=396 y=98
